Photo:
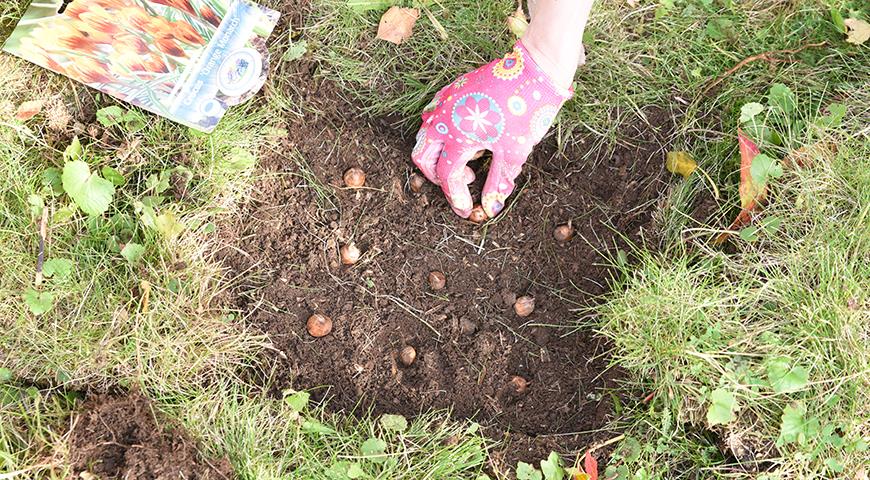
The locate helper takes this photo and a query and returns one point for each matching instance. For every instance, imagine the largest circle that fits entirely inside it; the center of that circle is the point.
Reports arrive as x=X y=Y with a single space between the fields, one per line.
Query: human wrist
x=557 y=61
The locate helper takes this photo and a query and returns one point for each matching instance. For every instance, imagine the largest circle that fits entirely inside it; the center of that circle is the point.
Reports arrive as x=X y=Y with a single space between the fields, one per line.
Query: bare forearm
x=555 y=36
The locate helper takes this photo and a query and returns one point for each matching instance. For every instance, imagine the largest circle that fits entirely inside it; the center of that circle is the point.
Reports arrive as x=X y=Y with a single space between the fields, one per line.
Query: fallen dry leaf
x=591 y=466
x=680 y=163
x=29 y=109
x=751 y=194
x=859 y=31
x=517 y=22
x=807 y=155
x=397 y=24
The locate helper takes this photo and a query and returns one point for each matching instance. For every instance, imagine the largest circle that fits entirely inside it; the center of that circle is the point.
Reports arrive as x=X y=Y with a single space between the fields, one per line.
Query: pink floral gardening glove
x=505 y=107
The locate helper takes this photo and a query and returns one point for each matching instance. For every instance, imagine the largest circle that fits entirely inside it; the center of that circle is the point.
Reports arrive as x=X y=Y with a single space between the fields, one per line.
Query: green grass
x=685 y=321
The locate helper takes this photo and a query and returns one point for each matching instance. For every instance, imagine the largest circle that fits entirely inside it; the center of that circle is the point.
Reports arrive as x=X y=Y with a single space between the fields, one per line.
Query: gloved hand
x=505 y=107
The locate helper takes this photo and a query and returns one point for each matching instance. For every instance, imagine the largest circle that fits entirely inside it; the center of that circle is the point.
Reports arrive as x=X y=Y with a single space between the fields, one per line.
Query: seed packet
x=186 y=60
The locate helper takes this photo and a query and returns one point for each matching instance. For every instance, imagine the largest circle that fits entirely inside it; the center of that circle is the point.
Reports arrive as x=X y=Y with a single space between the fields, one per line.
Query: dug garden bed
x=283 y=258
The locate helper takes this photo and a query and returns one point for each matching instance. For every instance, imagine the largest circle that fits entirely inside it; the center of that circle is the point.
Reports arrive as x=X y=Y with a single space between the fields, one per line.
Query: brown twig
x=43 y=233
x=772 y=56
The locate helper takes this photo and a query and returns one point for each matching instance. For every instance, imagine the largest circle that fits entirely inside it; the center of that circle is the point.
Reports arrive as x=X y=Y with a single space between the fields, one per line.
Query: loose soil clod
x=519 y=385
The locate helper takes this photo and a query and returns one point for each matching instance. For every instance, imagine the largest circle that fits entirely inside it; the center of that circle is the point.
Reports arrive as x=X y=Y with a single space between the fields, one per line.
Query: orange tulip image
x=183 y=5
x=99 y=20
x=169 y=46
x=135 y=17
x=88 y=70
x=153 y=63
x=130 y=43
x=209 y=16
x=186 y=33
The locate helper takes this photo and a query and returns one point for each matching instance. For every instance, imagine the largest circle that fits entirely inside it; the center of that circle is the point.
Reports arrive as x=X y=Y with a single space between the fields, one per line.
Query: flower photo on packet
x=186 y=60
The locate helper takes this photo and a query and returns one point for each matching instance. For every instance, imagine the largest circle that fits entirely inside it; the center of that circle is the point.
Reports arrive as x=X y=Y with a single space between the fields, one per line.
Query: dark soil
x=124 y=438
x=285 y=264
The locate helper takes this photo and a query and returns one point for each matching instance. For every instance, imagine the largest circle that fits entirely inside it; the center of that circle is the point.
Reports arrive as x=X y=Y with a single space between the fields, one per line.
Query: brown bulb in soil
x=563 y=233
x=437 y=280
x=416 y=183
x=524 y=306
x=407 y=356
x=519 y=385
x=478 y=215
x=354 y=177
x=467 y=327
x=319 y=325
x=349 y=253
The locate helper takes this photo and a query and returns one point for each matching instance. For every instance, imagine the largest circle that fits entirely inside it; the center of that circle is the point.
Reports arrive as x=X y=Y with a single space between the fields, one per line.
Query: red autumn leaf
x=29 y=109
x=397 y=24
x=590 y=465
x=751 y=194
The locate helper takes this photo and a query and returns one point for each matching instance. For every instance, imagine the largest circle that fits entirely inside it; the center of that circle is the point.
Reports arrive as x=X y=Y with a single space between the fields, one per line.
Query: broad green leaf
x=834 y=465
x=355 y=471
x=836 y=113
x=37 y=205
x=74 y=150
x=38 y=302
x=133 y=252
x=63 y=214
x=722 y=409
x=395 y=423
x=552 y=467
x=59 y=268
x=771 y=225
x=239 y=159
x=749 y=111
x=167 y=225
x=91 y=193
x=110 y=116
x=373 y=449
x=158 y=183
x=630 y=449
x=837 y=20
x=764 y=168
x=134 y=121
x=113 y=176
x=782 y=97
x=528 y=472
x=785 y=377
x=51 y=179
x=5 y=375
x=310 y=425
x=296 y=51
x=793 y=423
x=368 y=5
x=297 y=400
x=749 y=234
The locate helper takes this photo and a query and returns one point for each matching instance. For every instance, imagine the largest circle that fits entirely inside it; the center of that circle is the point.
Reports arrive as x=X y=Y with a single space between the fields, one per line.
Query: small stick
x=43 y=233
x=770 y=56
x=608 y=442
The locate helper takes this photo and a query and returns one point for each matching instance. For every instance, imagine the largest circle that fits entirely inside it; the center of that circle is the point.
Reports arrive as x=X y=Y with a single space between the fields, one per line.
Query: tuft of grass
x=687 y=324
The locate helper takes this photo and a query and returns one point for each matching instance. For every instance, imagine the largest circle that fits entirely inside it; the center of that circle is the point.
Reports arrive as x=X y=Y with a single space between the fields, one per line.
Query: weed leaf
x=782 y=97
x=92 y=193
x=749 y=111
x=5 y=375
x=37 y=204
x=368 y=5
x=793 y=424
x=296 y=51
x=837 y=20
x=374 y=449
x=113 y=176
x=59 y=268
x=394 y=423
x=764 y=168
x=297 y=401
x=528 y=472
x=133 y=252
x=51 y=179
x=310 y=425
x=785 y=377
x=722 y=409
x=355 y=471
x=168 y=225
x=74 y=150
x=38 y=302
x=552 y=467
x=110 y=116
